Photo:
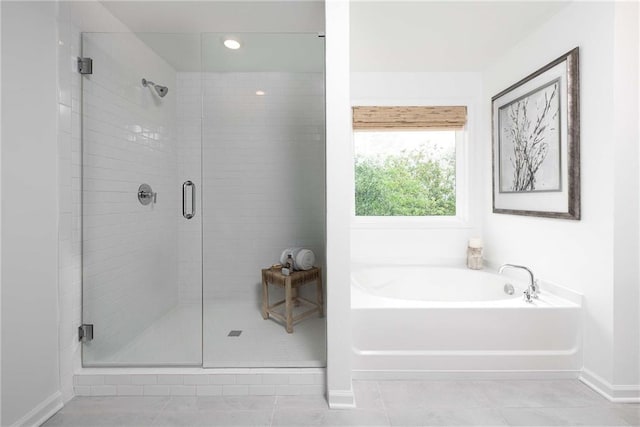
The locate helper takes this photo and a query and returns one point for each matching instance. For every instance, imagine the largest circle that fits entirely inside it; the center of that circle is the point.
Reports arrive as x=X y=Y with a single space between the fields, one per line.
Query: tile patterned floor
x=176 y=339
x=380 y=403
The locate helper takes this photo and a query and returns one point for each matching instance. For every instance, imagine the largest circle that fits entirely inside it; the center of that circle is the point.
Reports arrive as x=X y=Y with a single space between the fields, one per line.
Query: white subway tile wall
x=264 y=175
x=310 y=381
x=189 y=136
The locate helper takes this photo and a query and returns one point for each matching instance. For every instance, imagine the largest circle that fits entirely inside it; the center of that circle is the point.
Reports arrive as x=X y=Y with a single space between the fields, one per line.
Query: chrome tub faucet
x=533 y=289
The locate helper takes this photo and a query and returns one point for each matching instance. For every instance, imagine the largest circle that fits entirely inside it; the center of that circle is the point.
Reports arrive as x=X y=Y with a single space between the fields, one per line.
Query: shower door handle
x=188 y=185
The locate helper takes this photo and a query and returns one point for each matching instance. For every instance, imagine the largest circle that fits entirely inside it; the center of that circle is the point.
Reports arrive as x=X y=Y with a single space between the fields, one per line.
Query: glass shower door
x=141 y=235
x=264 y=191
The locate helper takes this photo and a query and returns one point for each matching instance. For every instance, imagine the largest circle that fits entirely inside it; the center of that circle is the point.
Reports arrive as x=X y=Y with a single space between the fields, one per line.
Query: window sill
x=385 y=222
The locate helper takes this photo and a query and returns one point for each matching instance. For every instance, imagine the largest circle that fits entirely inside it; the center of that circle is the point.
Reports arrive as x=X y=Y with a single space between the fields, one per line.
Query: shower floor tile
x=262 y=343
x=175 y=339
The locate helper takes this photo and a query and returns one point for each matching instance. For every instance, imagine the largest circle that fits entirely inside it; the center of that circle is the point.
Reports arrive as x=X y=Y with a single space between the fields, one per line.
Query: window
x=407 y=173
x=406 y=161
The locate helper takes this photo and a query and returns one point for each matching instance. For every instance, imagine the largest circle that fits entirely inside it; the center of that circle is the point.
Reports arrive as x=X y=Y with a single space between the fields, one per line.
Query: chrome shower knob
x=146 y=195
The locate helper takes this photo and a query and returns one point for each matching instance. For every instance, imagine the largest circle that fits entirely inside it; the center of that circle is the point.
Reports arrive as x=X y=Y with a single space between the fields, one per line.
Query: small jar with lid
x=474 y=254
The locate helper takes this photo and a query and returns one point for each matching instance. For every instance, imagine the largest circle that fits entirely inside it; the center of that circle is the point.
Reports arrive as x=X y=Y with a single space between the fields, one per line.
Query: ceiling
x=213 y=16
x=259 y=51
x=275 y=35
x=445 y=35
x=440 y=35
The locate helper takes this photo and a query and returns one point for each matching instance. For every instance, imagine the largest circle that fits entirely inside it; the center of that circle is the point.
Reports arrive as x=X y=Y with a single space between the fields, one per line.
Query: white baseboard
x=614 y=393
x=341 y=399
x=464 y=375
x=41 y=413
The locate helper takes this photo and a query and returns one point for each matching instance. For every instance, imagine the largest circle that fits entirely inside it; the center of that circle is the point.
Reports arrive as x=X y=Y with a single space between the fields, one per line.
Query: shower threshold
x=199 y=381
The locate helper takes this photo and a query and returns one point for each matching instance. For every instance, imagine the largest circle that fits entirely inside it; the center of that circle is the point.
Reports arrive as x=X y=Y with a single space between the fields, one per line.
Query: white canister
x=474 y=254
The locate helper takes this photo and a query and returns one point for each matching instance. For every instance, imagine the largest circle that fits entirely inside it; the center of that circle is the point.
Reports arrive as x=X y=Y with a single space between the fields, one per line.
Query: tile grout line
x=501 y=415
x=160 y=411
x=384 y=406
x=273 y=411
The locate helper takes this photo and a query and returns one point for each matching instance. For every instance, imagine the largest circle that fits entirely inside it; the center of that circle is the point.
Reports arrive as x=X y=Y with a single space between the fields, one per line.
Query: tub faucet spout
x=533 y=289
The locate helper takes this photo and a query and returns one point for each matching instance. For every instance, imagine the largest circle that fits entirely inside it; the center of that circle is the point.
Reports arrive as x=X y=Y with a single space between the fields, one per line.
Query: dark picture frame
x=536 y=143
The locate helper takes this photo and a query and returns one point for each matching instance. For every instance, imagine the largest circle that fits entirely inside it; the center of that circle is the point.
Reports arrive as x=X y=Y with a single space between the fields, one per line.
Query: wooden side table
x=291 y=284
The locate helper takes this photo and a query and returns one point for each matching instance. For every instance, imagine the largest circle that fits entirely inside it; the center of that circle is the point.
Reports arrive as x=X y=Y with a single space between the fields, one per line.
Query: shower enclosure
x=200 y=164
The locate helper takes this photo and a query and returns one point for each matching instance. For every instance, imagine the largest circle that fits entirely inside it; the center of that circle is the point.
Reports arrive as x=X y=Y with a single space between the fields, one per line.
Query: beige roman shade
x=409 y=118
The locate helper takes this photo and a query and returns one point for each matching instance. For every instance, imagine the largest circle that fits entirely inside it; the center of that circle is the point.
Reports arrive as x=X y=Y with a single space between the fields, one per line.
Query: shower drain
x=234 y=333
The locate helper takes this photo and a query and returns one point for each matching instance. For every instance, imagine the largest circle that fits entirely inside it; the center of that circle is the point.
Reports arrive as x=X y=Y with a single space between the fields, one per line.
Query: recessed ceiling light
x=259 y=92
x=232 y=44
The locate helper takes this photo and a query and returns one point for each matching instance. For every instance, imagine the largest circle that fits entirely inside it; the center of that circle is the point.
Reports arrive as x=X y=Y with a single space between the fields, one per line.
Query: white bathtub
x=440 y=319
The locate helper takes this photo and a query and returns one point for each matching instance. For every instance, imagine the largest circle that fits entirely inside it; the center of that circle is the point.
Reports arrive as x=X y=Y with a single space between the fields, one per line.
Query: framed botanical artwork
x=536 y=143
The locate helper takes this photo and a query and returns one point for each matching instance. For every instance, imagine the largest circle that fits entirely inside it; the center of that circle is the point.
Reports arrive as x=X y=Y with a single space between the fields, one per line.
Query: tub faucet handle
x=527 y=295
x=533 y=289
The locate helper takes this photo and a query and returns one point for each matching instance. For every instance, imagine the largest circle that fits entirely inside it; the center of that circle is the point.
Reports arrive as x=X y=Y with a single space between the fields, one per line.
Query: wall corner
x=339 y=163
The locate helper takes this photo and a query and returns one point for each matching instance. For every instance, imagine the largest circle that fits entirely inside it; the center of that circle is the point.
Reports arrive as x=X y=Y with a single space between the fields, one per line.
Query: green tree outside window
x=417 y=182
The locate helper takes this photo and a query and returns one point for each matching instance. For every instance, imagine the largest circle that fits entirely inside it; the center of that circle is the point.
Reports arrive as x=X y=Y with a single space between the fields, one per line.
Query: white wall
x=422 y=242
x=130 y=254
x=340 y=168
x=626 y=293
x=72 y=17
x=30 y=381
x=0 y=227
x=582 y=255
x=440 y=35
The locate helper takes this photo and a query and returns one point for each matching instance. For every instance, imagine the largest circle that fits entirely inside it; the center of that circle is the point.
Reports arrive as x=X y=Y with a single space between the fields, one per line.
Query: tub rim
x=552 y=295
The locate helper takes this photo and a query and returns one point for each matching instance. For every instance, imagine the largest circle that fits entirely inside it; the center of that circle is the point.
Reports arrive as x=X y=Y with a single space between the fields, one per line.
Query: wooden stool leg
x=294 y=296
x=265 y=297
x=319 y=293
x=288 y=305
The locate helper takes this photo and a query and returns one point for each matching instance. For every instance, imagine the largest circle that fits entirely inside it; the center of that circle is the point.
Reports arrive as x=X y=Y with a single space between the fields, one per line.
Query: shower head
x=160 y=90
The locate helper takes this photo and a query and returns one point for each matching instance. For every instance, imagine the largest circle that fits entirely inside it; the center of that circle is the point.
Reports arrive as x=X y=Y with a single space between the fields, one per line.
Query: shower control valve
x=146 y=195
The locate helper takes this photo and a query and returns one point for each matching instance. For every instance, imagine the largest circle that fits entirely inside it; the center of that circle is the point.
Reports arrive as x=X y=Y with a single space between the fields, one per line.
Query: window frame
x=460 y=219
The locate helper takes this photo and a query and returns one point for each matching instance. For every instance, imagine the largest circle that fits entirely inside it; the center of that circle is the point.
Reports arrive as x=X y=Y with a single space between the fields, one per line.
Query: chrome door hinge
x=85 y=333
x=85 y=65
